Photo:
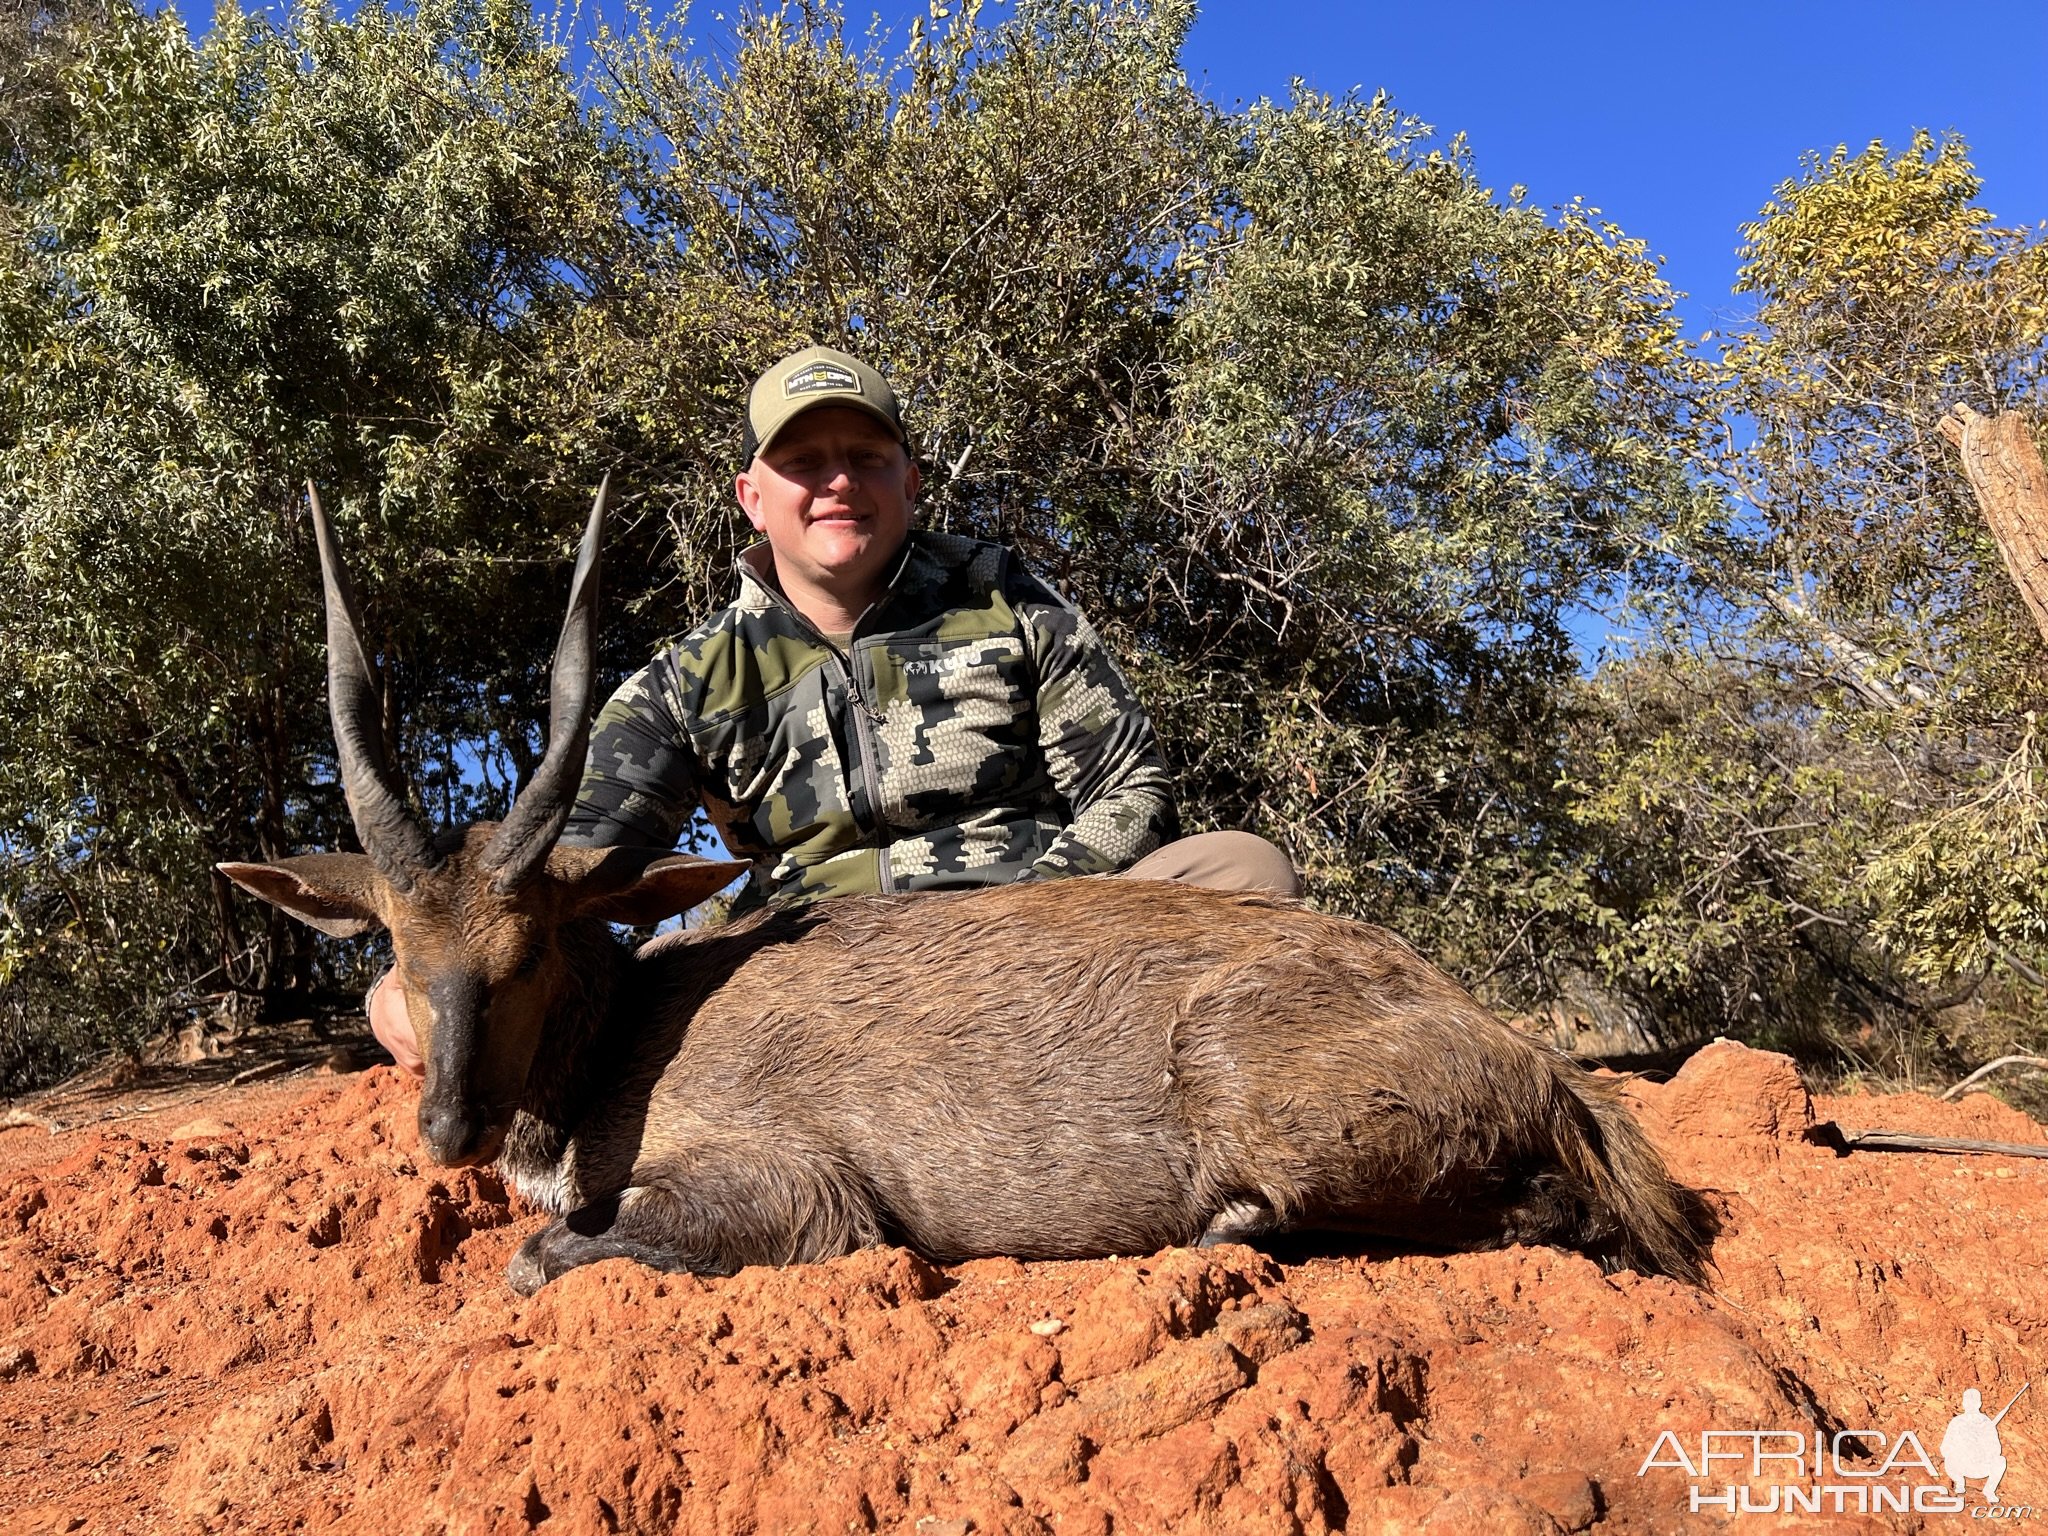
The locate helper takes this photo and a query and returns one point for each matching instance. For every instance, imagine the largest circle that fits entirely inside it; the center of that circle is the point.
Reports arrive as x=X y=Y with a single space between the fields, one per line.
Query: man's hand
x=392 y=1026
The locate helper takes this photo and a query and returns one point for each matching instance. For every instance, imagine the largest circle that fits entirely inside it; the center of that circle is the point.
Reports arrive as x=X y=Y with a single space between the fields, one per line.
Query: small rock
x=932 y=1525
x=16 y=1361
x=342 y=1062
x=205 y=1128
x=1567 y=1497
x=196 y=1044
x=1046 y=1327
x=1047 y=1454
x=1263 y=1333
x=1183 y=1382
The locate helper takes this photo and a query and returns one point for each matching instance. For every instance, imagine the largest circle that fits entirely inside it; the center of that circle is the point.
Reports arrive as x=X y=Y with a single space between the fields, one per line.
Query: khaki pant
x=1223 y=861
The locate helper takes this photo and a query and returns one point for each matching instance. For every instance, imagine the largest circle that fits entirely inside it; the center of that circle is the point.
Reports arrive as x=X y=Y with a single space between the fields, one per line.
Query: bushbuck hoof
x=637 y=1224
x=1241 y=1221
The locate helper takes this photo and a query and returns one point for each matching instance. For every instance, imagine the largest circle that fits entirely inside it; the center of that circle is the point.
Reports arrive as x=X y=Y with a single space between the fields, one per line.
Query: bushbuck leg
x=713 y=1214
x=645 y=1223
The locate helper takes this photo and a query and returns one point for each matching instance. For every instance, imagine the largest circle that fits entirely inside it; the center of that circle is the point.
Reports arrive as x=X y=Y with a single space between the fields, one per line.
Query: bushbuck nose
x=453 y=1134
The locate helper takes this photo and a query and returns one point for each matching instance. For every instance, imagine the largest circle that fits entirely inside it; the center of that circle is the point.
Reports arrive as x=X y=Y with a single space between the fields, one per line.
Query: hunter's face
x=832 y=496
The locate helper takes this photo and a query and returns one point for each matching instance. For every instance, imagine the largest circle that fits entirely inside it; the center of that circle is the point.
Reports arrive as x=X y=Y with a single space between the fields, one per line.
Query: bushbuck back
x=1056 y=1069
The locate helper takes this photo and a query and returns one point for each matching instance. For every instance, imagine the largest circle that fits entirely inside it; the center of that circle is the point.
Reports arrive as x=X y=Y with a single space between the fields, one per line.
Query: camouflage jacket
x=974 y=730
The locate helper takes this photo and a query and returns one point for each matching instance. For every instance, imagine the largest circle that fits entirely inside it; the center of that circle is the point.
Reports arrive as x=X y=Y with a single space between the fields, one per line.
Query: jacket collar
x=924 y=559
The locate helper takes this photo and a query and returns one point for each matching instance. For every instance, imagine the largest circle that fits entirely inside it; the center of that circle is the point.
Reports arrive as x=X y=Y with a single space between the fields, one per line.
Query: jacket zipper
x=865 y=715
x=865 y=718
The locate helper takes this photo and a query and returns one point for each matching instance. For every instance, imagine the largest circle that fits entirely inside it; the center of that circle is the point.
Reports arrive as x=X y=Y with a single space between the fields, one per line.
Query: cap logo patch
x=818 y=377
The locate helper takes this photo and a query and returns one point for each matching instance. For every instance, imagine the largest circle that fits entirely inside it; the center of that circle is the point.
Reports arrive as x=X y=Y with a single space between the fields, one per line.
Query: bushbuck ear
x=640 y=885
x=334 y=892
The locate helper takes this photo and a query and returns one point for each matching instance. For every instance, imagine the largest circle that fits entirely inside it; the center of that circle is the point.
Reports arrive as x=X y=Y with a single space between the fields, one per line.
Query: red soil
x=274 y=1318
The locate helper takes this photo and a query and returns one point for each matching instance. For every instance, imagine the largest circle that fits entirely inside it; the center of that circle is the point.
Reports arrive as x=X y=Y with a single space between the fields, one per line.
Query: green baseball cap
x=813 y=377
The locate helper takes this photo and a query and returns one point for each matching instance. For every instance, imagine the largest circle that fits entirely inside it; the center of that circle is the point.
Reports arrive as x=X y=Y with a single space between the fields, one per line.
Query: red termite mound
x=275 y=1318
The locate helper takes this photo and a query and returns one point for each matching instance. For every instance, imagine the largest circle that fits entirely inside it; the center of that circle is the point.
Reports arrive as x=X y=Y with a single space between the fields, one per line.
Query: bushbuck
x=1055 y=1069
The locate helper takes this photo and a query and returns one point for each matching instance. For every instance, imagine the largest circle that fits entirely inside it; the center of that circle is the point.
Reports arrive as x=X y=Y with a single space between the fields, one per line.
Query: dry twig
x=1990 y=1067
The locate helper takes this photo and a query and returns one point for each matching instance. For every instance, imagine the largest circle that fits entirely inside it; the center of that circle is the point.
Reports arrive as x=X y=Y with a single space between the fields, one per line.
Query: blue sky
x=1677 y=119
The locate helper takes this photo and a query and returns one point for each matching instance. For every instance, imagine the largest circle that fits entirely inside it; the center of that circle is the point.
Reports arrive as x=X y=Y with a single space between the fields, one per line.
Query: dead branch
x=1902 y=1141
x=1990 y=1067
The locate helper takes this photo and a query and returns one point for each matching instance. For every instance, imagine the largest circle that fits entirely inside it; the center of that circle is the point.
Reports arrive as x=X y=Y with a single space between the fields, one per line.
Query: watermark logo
x=1788 y=1471
x=1970 y=1448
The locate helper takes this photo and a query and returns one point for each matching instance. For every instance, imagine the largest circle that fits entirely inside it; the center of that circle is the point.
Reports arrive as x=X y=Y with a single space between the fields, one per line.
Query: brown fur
x=1047 y=1070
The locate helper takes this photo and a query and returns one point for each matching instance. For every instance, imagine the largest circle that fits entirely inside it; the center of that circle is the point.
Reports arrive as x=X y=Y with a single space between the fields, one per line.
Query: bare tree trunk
x=2005 y=473
x=1866 y=677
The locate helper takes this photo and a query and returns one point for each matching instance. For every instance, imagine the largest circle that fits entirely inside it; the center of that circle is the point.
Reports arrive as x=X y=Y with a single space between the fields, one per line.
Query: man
x=880 y=709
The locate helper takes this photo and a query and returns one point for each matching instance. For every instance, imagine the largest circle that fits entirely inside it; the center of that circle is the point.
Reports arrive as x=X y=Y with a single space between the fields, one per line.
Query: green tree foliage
x=37 y=38
x=313 y=248
x=1820 y=797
